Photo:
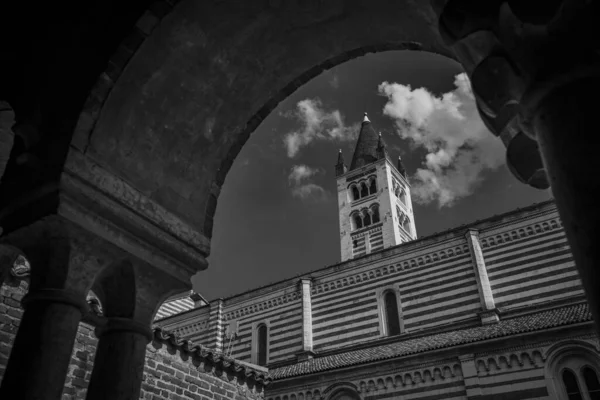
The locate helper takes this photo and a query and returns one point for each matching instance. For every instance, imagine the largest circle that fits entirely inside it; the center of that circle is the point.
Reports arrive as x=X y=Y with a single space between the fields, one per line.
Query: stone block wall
x=174 y=369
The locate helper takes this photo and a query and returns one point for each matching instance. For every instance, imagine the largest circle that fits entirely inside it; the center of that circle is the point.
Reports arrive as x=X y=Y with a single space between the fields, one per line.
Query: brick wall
x=172 y=371
x=11 y=294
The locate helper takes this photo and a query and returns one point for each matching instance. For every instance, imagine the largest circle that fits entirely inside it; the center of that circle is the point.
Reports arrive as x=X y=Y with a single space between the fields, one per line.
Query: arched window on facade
x=571 y=385
x=355 y=193
x=261 y=344
x=590 y=377
x=345 y=394
x=364 y=191
x=392 y=315
x=375 y=213
x=573 y=371
x=373 y=186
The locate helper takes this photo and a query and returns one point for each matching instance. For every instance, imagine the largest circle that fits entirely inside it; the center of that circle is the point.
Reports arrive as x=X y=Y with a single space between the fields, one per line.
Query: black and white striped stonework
x=437 y=293
x=284 y=324
x=524 y=255
x=530 y=265
x=175 y=306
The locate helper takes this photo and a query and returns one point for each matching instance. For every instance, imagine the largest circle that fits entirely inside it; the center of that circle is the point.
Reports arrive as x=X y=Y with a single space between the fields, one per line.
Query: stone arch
x=343 y=391
x=209 y=67
x=558 y=353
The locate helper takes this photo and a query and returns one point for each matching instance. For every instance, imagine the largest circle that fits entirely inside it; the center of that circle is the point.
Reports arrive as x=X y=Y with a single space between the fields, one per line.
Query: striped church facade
x=495 y=277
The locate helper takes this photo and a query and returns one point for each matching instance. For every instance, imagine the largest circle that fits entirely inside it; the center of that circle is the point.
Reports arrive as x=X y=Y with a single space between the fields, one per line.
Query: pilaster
x=215 y=322
x=307 y=333
x=489 y=314
x=470 y=377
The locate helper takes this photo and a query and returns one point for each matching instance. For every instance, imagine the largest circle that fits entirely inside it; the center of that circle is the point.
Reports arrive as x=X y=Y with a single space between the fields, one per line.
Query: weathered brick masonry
x=174 y=370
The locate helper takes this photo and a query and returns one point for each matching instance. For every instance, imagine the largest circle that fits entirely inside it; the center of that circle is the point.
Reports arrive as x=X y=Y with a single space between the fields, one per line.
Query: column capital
x=466 y=357
x=305 y=281
x=472 y=232
x=56 y=296
x=124 y=325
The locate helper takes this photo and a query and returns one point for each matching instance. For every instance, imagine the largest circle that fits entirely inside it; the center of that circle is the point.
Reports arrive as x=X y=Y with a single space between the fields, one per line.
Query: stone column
x=489 y=314
x=470 y=377
x=63 y=265
x=41 y=353
x=307 y=333
x=566 y=125
x=119 y=363
x=535 y=98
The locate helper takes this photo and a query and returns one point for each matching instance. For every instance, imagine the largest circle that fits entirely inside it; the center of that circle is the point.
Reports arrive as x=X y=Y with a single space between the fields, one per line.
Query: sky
x=277 y=214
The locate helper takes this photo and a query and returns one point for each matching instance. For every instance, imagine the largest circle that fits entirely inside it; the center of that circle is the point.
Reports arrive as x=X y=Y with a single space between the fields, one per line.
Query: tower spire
x=381 y=147
x=401 y=167
x=365 y=151
x=375 y=207
x=340 y=167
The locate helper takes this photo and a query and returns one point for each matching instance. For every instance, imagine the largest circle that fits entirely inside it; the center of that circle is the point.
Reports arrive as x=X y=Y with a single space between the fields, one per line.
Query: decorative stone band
x=56 y=296
x=201 y=353
x=124 y=325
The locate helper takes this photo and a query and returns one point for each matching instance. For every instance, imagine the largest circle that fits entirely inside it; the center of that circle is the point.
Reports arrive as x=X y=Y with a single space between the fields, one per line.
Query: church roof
x=505 y=327
x=202 y=353
x=365 y=151
x=176 y=304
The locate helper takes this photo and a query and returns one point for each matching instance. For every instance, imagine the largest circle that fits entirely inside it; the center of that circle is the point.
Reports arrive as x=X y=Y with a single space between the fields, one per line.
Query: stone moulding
x=108 y=200
x=211 y=356
x=111 y=185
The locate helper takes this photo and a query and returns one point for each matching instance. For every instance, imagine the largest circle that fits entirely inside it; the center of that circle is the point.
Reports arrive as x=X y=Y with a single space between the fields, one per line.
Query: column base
x=489 y=316
x=305 y=355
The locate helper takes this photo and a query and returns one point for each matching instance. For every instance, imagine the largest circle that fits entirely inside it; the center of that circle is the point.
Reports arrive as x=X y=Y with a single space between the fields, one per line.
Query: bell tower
x=375 y=208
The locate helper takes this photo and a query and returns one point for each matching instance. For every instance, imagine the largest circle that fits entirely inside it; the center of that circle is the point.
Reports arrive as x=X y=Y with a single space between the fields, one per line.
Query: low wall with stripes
x=510 y=373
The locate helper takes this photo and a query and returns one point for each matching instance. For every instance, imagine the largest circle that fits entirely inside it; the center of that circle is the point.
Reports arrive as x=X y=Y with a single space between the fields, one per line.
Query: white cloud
x=459 y=145
x=316 y=124
x=298 y=180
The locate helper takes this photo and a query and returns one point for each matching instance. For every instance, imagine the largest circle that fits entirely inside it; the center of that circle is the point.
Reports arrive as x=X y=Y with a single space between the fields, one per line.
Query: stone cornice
x=110 y=185
x=104 y=204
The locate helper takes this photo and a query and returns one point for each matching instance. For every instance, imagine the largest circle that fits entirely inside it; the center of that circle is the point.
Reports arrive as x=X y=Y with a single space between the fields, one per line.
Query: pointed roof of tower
x=340 y=158
x=381 y=148
x=401 y=167
x=365 y=151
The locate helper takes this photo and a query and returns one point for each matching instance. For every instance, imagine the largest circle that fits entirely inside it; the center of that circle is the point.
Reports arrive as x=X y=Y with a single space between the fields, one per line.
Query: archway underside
x=207 y=76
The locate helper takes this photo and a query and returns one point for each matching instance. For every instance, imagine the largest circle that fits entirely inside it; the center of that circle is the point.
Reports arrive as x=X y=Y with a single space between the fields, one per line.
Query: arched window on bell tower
x=366 y=218
x=375 y=213
x=364 y=190
x=373 y=185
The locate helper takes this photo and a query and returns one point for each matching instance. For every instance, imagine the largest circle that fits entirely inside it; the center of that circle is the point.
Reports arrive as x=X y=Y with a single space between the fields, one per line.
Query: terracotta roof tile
x=527 y=323
x=249 y=371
